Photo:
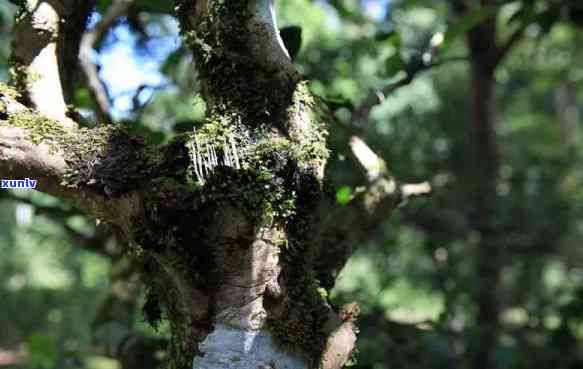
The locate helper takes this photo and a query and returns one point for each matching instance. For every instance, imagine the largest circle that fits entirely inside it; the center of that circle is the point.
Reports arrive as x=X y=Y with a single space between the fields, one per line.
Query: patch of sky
x=377 y=9
x=128 y=65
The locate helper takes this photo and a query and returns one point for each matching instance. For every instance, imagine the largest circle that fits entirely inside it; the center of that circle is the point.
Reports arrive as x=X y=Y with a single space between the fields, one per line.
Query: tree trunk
x=230 y=223
x=488 y=257
x=483 y=177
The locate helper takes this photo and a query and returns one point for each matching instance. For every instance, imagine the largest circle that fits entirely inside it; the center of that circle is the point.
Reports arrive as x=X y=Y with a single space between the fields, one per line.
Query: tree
x=232 y=223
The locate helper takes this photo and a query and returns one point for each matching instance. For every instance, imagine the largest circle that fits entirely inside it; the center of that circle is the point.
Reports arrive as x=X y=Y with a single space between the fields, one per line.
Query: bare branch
x=91 y=38
x=416 y=189
x=377 y=95
x=341 y=341
x=514 y=38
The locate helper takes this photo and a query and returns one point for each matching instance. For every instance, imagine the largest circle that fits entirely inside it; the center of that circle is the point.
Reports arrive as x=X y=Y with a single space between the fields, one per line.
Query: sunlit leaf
x=344 y=195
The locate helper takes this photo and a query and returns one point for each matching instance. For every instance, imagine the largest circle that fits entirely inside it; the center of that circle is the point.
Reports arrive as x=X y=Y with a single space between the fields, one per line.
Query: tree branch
x=351 y=224
x=91 y=38
x=377 y=95
x=514 y=38
x=35 y=147
x=36 y=70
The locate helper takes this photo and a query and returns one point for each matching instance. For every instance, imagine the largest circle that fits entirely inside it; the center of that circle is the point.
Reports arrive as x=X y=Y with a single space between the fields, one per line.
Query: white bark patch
x=45 y=87
x=231 y=348
x=35 y=45
x=272 y=47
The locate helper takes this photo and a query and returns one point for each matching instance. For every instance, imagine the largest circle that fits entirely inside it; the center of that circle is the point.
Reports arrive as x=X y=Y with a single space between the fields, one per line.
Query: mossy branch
x=72 y=164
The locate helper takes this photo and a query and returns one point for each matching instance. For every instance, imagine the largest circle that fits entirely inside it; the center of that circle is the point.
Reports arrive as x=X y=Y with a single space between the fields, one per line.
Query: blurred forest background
x=437 y=289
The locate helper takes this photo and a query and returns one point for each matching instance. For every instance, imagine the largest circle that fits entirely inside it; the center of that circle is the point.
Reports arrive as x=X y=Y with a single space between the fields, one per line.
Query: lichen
x=8 y=91
x=40 y=129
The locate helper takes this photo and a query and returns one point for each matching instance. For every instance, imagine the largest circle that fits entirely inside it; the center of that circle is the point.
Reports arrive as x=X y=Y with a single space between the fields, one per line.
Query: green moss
x=300 y=329
x=20 y=77
x=8 y=91
x=110 y=159
x=40 y=129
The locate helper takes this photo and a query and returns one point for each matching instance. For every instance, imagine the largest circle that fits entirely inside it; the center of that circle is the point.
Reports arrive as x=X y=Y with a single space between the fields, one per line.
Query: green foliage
x=344 y=195
x=42 y=350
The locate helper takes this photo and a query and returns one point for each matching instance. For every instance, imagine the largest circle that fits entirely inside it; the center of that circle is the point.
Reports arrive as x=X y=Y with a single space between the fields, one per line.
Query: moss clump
x=301 y=326
x=300 y=329
x=111 y=160
x=8 y=91
x=20 y=77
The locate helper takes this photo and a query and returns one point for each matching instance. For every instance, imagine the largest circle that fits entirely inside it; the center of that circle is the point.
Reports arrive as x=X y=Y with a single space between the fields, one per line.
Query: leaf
x=344 y=195
x=394 y=40
x=83 y=98
x=43 y=351
x=292 y=39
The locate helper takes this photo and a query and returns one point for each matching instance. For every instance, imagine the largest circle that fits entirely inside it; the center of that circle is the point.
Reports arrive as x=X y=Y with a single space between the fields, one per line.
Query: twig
x=415 y=189
x=514 y=38
x=378 y=95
